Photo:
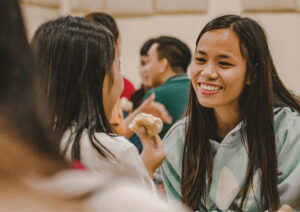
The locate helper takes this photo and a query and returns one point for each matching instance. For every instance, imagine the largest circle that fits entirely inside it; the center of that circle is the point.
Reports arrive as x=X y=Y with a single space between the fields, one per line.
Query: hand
x=285 y=208
x=153 y=152
x=155 y=109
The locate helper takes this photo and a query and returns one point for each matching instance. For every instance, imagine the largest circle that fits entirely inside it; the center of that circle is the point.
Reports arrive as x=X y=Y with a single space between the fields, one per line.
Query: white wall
x=282 y=30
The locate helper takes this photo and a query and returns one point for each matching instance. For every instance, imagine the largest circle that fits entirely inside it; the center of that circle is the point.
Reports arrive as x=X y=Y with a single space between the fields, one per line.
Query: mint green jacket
x=230 y=165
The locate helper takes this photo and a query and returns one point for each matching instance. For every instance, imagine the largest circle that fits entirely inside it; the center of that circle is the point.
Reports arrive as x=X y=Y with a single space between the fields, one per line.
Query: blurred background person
x=138 y=96
x=167 y=61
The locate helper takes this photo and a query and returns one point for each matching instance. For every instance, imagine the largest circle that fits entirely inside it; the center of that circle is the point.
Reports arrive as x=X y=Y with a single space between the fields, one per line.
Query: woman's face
x=112 y=92
x=218 y=69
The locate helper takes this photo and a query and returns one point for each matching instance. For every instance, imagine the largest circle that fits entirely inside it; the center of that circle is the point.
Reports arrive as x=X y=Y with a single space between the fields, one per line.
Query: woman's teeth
x=210 y=87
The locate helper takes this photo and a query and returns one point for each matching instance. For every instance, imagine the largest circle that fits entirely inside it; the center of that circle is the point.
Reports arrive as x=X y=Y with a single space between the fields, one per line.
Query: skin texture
x=153 y=152
x=219 y=64
x=112 y=92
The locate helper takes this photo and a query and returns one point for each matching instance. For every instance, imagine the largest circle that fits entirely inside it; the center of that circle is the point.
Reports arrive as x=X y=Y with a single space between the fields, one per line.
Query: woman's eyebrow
x=220 y=56
x=224 y=56
x=201 y=52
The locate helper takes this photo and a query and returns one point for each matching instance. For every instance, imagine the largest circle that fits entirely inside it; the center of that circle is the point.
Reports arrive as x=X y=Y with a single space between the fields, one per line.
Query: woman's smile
x=209 y=88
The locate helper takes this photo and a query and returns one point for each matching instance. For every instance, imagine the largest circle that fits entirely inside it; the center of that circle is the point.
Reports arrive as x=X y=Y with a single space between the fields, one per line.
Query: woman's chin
x=207 y=103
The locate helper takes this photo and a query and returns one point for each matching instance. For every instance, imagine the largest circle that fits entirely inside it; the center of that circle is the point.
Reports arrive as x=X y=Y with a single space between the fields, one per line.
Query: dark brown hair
x=78 y=53
x=175 y=51
x=106 y=20
x=257 y=101
x=23 y=114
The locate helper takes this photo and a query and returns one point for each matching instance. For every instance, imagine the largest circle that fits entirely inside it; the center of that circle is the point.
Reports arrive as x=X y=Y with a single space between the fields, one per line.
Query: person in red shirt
x=128 y=89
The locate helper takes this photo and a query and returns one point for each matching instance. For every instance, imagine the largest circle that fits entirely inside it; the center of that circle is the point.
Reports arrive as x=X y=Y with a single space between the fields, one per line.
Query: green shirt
x=173 y=94
x=230 y=165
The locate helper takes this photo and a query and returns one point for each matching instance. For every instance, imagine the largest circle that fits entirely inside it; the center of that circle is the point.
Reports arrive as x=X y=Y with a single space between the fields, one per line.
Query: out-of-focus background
x=139 y=20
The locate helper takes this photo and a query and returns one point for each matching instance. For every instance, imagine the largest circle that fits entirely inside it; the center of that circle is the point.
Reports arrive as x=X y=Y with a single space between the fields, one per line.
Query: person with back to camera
x=238 y=148
x=83 y=88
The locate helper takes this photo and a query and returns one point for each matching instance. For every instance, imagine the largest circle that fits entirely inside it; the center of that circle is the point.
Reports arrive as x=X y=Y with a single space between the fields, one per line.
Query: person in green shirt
x=168 y=59
x=238 y=148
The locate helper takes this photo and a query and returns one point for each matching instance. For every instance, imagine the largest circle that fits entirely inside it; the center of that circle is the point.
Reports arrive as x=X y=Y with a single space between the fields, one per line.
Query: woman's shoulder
x=177 y=131
x=286 y=126
x=128 y=158
x=285 y=118
x=287 y=135
x=174 y=140
x=115 y=143
x=120 y=147
x=171 y=167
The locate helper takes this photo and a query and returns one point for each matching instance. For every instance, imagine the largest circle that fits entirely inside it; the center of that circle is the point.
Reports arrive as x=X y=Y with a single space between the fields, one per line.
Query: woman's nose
x=209 y=72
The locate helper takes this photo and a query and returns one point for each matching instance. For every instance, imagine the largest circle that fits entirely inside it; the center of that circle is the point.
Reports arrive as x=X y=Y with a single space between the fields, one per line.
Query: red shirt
x=128 y=89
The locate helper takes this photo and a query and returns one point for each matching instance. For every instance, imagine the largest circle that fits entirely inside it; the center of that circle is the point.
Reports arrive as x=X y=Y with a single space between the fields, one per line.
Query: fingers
x=146 y=105
x=142 y=133
x=159 y=147
x=156 y=109
x=162 y=112
x=150 y=99
x=167 y=118
x=157 y=142
x=153 y=152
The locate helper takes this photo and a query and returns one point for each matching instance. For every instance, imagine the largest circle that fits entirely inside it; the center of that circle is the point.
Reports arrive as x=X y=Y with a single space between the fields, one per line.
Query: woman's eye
x=201 y=60
x=225 y=64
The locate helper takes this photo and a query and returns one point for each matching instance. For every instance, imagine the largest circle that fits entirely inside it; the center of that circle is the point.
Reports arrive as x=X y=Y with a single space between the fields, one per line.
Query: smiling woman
x=219 y=70
x=231 y=152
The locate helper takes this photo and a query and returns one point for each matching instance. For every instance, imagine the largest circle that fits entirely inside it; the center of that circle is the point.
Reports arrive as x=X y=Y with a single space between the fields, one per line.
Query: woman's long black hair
x=78 y=54
x=257 y=101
